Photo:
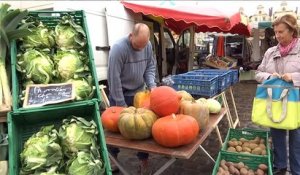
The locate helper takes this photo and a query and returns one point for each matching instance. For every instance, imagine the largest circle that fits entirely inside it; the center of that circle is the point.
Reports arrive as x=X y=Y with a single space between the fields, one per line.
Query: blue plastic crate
x=234 y=74
x=203 y=85
x=224 y=79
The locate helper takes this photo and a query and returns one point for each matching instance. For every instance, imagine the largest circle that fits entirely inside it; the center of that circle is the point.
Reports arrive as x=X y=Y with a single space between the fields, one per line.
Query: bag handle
x=283 y=98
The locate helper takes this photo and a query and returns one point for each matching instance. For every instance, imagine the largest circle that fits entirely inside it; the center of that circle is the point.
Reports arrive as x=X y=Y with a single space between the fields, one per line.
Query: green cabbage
x=77 y=134
x=36 y=66
x=83 y=88
x=41 y=37
x=85 y=163
x=70 y=63
x=68 y=34
x=41 y=151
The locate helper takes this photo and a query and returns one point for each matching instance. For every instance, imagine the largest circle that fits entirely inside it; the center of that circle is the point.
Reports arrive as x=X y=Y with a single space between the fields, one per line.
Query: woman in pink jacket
x=283 y=61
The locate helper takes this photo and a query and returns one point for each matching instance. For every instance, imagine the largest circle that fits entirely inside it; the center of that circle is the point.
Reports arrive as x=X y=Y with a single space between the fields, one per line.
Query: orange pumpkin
x=175 y=130
x=142 y=99
x=164 y=101
x=110 y=118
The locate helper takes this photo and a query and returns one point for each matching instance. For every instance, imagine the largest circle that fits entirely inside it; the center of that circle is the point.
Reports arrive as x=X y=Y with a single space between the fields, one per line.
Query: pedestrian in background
x=131 y=68
x=283 y=61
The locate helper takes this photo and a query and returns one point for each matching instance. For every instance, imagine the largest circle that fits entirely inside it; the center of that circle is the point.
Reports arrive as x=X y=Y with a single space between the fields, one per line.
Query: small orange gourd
x=142 y=99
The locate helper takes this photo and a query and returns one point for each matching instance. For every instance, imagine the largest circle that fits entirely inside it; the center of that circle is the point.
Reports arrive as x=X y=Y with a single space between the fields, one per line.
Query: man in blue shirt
x=131 y=68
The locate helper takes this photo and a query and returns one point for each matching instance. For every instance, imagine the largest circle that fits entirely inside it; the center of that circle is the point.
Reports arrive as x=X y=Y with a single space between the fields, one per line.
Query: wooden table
x=150 y=146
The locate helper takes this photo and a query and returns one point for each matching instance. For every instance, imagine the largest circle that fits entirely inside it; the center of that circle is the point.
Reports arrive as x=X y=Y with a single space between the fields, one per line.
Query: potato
x=253 y=146
x=230 y=143
x=233 y=170
x=240 y=165
x=233 y=143
x=251 y=172
x=246 y=144
x=262 y=141
x=221 y=171
x=239 y=148
x=260 y=172
x=263 y=152
x=233 y=139
x=246 y=149
x=263 y=167
x=223 y=165
x=244 y=171
x=257 y=151
x=243 y=140
x=226 y=173
x=228 y=164
x=252 y=141
x=240 y=143
x=257 y=140
x=262 y=146
x=231 y=149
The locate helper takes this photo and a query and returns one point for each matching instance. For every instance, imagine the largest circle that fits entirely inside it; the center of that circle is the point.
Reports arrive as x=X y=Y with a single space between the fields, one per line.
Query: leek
x=10 y=29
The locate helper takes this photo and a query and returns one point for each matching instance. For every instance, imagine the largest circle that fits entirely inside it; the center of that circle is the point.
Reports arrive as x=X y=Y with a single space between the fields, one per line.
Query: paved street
x=199 y=163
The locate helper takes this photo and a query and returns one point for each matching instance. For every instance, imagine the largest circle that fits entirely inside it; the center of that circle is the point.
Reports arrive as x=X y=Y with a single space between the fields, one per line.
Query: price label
x=42 y=94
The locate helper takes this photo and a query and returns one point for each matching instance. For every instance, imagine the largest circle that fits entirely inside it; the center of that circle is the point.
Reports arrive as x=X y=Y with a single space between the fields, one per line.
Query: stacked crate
x=195 y=84
x=51 y=19
x=23 y=122
x=205 y=82
x=224 y=79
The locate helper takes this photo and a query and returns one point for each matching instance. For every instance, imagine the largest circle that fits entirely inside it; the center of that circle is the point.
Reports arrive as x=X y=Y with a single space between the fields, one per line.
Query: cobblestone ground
x=199 y=163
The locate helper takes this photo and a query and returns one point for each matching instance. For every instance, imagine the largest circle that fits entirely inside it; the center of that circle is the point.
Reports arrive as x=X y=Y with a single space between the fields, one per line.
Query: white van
x=109 y=21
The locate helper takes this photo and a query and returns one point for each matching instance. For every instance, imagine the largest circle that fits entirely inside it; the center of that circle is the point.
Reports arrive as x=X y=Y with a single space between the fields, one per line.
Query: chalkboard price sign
x=42 y=94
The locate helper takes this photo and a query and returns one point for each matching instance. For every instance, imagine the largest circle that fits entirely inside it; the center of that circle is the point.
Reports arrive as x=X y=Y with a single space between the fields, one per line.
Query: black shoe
x=277 y=171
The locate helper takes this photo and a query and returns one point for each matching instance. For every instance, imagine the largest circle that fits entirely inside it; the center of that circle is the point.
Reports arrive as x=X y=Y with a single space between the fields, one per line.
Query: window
x=184 y=40
x=168 y=41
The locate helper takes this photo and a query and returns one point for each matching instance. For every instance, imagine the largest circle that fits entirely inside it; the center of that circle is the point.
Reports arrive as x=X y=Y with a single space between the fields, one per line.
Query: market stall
x=179 y=18
x=194 y=18
x=34 y=110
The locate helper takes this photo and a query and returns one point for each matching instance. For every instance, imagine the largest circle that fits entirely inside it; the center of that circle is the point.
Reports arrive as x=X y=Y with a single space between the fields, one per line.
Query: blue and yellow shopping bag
x=276 y=105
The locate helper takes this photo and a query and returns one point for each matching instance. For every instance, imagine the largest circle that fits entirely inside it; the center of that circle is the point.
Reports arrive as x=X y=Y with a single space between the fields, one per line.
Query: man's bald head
x=141 y=29
x=139 y=36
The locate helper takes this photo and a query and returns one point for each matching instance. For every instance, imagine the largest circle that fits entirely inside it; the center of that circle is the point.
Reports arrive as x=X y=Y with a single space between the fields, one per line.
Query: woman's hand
x=275 y=75
x=287 y=77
